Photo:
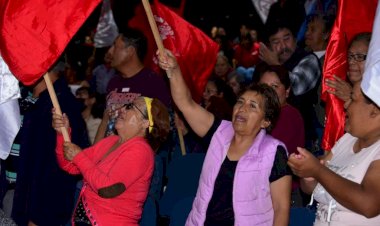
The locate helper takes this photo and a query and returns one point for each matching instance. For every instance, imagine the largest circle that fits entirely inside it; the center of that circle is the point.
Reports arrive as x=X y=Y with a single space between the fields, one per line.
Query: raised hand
x=59 y=121
x=267 y=55
x=167 y=61
x=340 y=88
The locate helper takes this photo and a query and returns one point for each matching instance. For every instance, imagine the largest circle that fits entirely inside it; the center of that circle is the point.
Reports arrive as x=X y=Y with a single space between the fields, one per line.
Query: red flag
x=196 y=52
x=180 y=9
x=352 y=18
x=34 y=33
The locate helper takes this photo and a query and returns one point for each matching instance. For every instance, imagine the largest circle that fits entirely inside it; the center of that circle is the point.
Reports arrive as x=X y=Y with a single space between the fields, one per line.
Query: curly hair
x=272 y=105
x=161 y=125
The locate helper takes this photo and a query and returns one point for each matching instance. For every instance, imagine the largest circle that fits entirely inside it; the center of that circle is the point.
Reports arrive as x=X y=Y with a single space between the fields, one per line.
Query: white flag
x=371 y=77
x=9 y=109
x=262 y=8
x=106 y=30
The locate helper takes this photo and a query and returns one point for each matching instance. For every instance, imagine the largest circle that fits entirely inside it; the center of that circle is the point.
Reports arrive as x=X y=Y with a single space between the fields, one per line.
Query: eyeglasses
x=130 y=106
x=357 y=57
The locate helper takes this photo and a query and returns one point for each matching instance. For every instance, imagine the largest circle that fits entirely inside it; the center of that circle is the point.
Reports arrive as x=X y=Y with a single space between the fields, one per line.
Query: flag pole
x=54 y=99
x=160 y=45
x=153 y=26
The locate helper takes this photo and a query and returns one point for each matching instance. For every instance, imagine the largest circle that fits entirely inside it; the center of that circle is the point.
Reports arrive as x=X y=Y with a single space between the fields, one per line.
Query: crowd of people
x=259 y=123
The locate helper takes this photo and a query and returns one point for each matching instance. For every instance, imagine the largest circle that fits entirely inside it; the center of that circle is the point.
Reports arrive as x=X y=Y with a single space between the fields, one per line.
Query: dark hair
x=327 y=20
x=239 y=79
x=281 y=72
x=222 y=87
x=97 y=109
x=361 y=37
x=272 y=105
x=220 y=108
x=137 y=39
x=161 y=125
x=278 y=25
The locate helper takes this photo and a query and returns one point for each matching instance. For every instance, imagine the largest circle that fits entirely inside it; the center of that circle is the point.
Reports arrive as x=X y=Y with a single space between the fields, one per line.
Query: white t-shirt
x=352 y=166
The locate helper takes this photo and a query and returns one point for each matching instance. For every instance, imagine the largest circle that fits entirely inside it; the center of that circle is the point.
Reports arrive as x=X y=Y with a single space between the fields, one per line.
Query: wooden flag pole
x=181 y=141
x=54 y=99
x=160 y=45
x=153 y=26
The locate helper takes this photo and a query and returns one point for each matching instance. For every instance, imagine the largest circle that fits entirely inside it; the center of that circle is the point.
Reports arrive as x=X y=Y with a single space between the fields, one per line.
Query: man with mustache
x=305 y=73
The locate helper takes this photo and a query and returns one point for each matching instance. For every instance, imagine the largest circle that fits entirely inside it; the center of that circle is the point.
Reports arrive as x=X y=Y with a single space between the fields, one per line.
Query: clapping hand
x=304 y=164
x=340 y=88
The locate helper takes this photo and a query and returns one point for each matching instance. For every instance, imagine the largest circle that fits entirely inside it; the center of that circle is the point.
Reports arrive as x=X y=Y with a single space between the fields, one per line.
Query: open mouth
x=240 y=118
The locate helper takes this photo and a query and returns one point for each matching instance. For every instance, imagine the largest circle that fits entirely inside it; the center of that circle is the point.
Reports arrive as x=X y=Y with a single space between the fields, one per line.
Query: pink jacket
x=252 y=201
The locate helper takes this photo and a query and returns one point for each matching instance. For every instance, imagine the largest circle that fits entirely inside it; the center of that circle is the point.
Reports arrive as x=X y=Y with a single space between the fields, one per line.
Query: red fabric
x=34 y=33
x=196 y=52
x=247 y=58
x=352 y=18
x=132 y=164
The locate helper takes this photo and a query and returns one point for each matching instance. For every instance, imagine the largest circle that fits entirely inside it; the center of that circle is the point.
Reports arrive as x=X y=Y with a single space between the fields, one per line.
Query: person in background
x=291 y=10
x=102 y=74
x=305 y=74
x=316 y=39
x=93 y=110
x=222 y=67
x=236 y=81
x=289 y=127
x=346 y=182
x=133 y=80
x=356 y=56
x=234 y=189
x=219 y=98
x=117 y=170
x=317 y=34
x=9 y=166
x=75 y=75
x=246 y=56
x=225 y=47
x=44 y=194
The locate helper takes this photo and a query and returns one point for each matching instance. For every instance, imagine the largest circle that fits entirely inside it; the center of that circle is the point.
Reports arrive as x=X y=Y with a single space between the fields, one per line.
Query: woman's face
x=272 y=80
x=248 y=115
x=358 y=114
x=235 y=85
x=211 y=90
x=355 y=61
x=221 y=67
x=131 y=119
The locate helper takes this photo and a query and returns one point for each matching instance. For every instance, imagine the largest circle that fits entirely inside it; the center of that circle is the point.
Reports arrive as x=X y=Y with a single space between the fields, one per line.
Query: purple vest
x=251 y=200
